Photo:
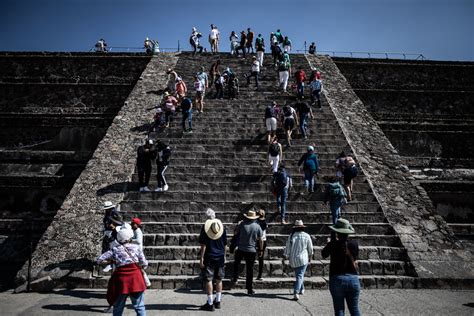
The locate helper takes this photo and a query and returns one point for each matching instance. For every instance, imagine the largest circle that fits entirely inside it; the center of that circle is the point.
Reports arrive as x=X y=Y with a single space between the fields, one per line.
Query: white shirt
x=138 y=238
x=256 y=66
x=234 y=38
x=198 y=85
x=299 y=248
x=214 y=34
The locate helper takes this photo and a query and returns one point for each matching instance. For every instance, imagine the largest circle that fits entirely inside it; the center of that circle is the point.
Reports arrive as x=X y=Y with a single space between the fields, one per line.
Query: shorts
x=349 y=174
x=289 y=123
x=199 y=94
x=213 y=272
x=213 y=41
x=271 y=124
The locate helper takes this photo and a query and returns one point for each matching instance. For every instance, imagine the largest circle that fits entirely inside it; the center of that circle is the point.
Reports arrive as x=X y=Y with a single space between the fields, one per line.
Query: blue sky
x=439 y=29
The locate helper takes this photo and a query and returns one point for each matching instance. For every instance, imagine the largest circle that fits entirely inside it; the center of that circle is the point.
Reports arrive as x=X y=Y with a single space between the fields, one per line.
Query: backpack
x=336 y=191
x=274 y=150
x=280 y=180
x=270 y=112
x=191 y=40
x=287 y=111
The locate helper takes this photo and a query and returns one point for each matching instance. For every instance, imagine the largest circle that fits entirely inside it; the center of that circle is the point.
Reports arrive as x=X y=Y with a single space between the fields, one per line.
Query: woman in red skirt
x=127 y=278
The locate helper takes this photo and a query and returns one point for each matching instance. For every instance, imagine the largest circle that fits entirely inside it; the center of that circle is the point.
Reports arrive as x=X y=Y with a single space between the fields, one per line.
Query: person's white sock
x=218 y=296
x=209 y=299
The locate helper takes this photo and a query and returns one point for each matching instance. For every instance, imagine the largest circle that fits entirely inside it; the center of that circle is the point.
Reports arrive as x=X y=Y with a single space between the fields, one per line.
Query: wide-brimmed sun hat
x=343 y=227
x=251 y=215
x=124 y=235
x=107 y=205
x=214 y=228
x=298 y=223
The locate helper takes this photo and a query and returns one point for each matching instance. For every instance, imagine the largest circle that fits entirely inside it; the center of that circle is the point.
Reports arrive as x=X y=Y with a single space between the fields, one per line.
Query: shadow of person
x=79 y=293
x=121 y=187
x=79 y=307
x=284 y=297
x=172 y=307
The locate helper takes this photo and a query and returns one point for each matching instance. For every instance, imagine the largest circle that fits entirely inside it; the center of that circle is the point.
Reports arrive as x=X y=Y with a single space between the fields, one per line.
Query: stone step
x=321 y=145
x=294 y=207
x=205 y=186
x=239 y=134
x=278 y=267
x=298 y=148
x=235 y=196
x=463 y=230
x=258 y=154
x=187 y=239
x=311 y=228
x=196 y=217
x=196 y=283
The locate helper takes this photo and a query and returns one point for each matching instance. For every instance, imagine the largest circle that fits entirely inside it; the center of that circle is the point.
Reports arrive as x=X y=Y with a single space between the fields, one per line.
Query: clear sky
x=439 y=29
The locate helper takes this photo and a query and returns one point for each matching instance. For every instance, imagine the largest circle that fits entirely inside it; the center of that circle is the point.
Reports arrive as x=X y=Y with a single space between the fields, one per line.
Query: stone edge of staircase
x=438 y=258
x=73 y=238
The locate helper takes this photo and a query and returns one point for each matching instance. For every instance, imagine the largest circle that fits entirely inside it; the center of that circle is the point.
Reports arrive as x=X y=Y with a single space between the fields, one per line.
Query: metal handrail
x=387 y=55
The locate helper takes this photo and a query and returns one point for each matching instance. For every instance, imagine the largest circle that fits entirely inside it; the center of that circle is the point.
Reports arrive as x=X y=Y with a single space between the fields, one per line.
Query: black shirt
x=145 y=156
x=340 y=261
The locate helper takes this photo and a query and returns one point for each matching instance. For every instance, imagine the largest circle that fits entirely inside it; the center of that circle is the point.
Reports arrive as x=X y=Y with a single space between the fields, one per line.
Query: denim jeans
x=309 y=180
x=299 y=283
x=345 y=287
x=253 y=74
x=303 y=124
x=187 y=115
x=300 y=89
x=335 y=207
x=281 y=197
x=138 y=302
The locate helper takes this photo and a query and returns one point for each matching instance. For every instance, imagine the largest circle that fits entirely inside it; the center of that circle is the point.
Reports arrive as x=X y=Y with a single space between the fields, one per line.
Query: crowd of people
x=122 y=248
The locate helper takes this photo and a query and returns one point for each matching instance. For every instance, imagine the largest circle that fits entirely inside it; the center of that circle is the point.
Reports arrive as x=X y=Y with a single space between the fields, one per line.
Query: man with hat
x=110 y=210
x=344 y=282
x=299 y=250
x=249 y=233
x=213 y=239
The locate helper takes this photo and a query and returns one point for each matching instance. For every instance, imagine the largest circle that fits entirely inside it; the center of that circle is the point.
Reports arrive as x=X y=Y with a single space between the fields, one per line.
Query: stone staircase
x=222 y=165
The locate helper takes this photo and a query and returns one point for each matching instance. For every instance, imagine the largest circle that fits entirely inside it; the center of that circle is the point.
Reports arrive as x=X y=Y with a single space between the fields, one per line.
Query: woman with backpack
x=350 y=171
x=335 y=195
x=290 y=120
x=310 y=163
x=275 y=154
x=344 y=283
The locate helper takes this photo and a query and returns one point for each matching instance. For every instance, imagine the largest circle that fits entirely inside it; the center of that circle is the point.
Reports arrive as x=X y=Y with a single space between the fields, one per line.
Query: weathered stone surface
x=43 y=285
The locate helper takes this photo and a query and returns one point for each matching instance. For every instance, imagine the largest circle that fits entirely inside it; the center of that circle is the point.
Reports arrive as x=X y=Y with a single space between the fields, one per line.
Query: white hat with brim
x=107 y=205
x=251 y=215
x=343 y=227
x=213 y=228
x=298 y=223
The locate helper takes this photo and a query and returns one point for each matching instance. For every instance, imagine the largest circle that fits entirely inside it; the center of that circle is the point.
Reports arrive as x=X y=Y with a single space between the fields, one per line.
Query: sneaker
x=107 y=268
x=165 y=188
x=141 y=189
x=158 y=190
x=302 y=292
x=296 y=297
x=259 y=279
x=217 y=305
x=146 y=189
x=207 y=307
x=108 y=310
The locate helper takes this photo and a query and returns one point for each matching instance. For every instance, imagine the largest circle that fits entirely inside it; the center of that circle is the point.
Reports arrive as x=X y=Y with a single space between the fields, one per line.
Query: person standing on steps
x=300 y=78
x=349 y=172
x=284 y=67
x=137 y=239
x=146 y=154
x=172 y=77
x=290 y=120
x=344 y=283
x=276 y=51
x=310 y=163
x=250 y=36
x=263 y=225
x=304 y=111
x=275 y=154
x=162 y=162
x=316 y=86
x=254 y=72
x=219 y=84
x=181 y=89
x=281 y=184
x=286 y=44
x=335 y=195
x=234 y=43
x=214 y=39
x=260 y=48
x=187 y=114
x=200 y=89
x=279 y=36
x=299 y=250
x=213 y=240
x=243 y=44
x=271 y=114
x=249 y=233
x=194 y=41
x=312 y=49
x=215 y=71
x=169 y=108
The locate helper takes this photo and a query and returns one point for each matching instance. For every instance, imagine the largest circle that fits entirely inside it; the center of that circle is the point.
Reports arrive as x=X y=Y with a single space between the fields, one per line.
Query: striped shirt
x=299 y=248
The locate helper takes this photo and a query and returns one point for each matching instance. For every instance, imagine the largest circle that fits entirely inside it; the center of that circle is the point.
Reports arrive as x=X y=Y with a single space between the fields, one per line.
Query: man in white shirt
x=214 y=39
x=255 y=71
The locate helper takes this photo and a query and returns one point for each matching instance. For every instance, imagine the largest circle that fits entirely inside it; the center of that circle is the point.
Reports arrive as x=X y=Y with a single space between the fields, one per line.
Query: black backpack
x=274 y=150
x=281 y=180
x=287 y=111
x=270 y=112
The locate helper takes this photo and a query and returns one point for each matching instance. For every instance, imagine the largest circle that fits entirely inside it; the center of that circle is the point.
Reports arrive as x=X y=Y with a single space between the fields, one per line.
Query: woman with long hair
x=344 y=282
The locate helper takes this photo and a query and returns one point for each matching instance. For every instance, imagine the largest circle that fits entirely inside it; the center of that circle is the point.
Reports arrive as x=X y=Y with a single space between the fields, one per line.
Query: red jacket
x=300 y=76
x=125 y=280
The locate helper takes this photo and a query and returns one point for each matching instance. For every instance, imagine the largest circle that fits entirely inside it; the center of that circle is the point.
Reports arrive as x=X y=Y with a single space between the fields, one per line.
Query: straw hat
x=251 y=215
x=214 y=228
x=343 y=227
x=298 y=223
x=107 y=205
